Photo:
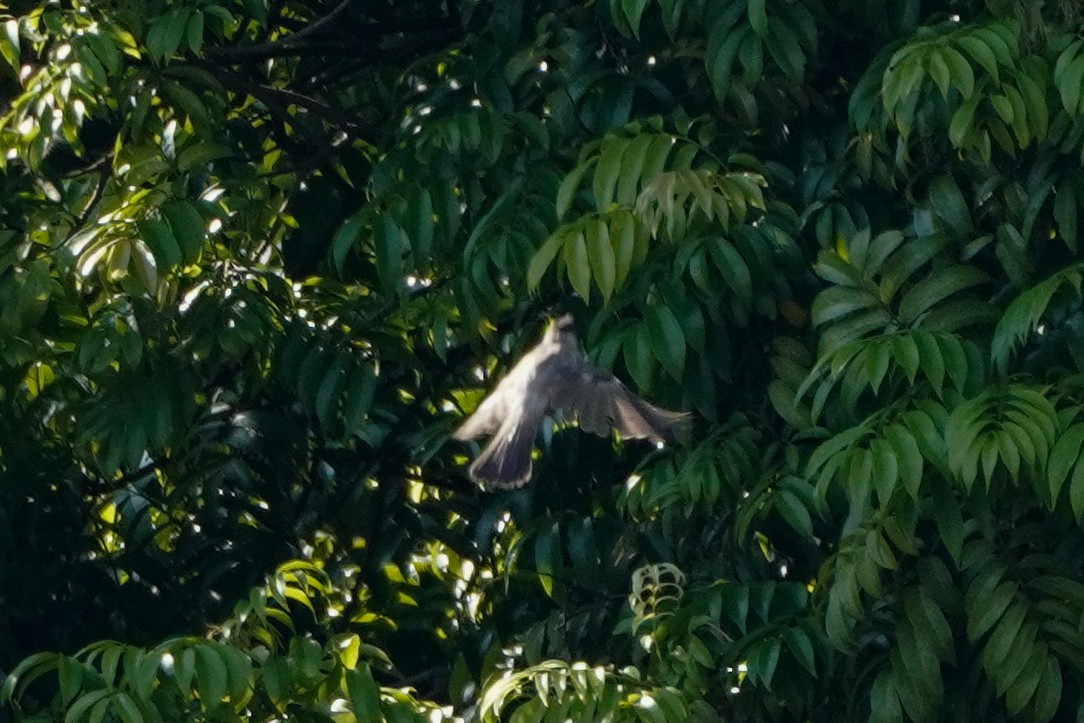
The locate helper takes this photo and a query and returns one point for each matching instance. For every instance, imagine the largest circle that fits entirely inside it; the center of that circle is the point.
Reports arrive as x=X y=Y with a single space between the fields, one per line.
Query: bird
x=555 y=376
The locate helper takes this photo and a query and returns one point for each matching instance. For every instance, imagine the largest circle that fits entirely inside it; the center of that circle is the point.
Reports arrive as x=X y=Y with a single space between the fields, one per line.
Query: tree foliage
x=258 y=258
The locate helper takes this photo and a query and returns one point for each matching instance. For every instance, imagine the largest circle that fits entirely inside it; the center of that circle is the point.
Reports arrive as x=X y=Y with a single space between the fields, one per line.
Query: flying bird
x=555 y=376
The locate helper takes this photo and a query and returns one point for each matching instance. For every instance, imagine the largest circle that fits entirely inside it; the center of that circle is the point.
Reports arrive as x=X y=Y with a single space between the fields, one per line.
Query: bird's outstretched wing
x=486 y=419
x=601 y=403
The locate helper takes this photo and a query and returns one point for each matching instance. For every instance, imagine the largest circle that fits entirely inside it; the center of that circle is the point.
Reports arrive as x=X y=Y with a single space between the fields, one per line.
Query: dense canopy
x=259 y=258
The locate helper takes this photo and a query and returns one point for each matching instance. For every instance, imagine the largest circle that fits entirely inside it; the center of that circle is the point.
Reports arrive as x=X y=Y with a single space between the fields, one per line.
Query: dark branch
x=277 y=46
x=280 y=98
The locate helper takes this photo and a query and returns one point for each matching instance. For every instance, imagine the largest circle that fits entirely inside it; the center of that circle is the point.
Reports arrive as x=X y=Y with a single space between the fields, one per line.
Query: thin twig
x=279 y=96
x=289 y=42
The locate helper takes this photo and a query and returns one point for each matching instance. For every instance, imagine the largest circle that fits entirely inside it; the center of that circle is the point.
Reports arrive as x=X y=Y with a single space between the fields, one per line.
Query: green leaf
x=1065 y=213
x=160 y=240
x=127 y=708
x=905 y=351
x=900 y=81
x=1076 y=492
x=785 y=48
x=671 y=702
x=1071 y=86
x=1032 y=86
x=601 y=257
x=950 y=524
x=758 y=16
x=859 y=476
x=898 y=268
x=963 y=121
x=345 y=239
x=657 y=153
x=955 y=358
x=926 y=616
x=1040 y=439
x=885 y=699
x=326 y=401
x=1065 y=59
x=751 y=56
x=583 y=549
x=786 y=405
x=11 y=49
x=762 y=661
x=935 y=288
x=211 y=676
x=1001 y=643
x=547 y=557
x=909 y=459
x=607 y=171
x=733 y=268
x=239 y=673
x=854 y=327
x=632 y=168
x=801 y=647
x=388 y=249
x=844 y=608
x=794 y=511
x=1023 y=688
x=70 y=678
x=311 y=374
x=639 y=359
x=571 y=183
x=1024 y=312
x=188 y=228
x=722 y=49
x=1048 y=692
x=938 y=69
x=623 y=240
x=1019 y=116
x=84 y=703
x=194 y=31
x=634 y=10
x=110 y=662
x=192 y=105
x=1063 y=457
x=885 y=469
x=421 y=227
x=833 y=446
x=949 y=204
x=577 y=264
x=364 y=694
x=1003 y=106
x=836 y=302
x=916 y=651
x=983 y=611
x=963 y=77
x=981 y=53
x=931 y=360
x=542 y=259
x=166 y=33
x=668 y=340
x=358 y=396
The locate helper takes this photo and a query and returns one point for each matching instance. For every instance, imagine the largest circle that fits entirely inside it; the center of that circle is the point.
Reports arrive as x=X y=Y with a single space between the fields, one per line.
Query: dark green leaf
x=935 y=288
x=667 y=338
x=577 y=264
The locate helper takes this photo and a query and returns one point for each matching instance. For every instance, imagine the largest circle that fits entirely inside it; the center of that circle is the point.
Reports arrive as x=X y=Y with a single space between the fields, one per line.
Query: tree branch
x=278 y=96
x=275 y=47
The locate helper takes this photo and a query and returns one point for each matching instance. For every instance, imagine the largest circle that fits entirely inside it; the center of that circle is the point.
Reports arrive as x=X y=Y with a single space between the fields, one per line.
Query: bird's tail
x=506 y=461
x=637 y=418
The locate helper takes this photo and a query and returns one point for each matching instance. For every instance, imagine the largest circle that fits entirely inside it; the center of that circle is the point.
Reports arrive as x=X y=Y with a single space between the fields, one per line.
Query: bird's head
x=562 y=330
